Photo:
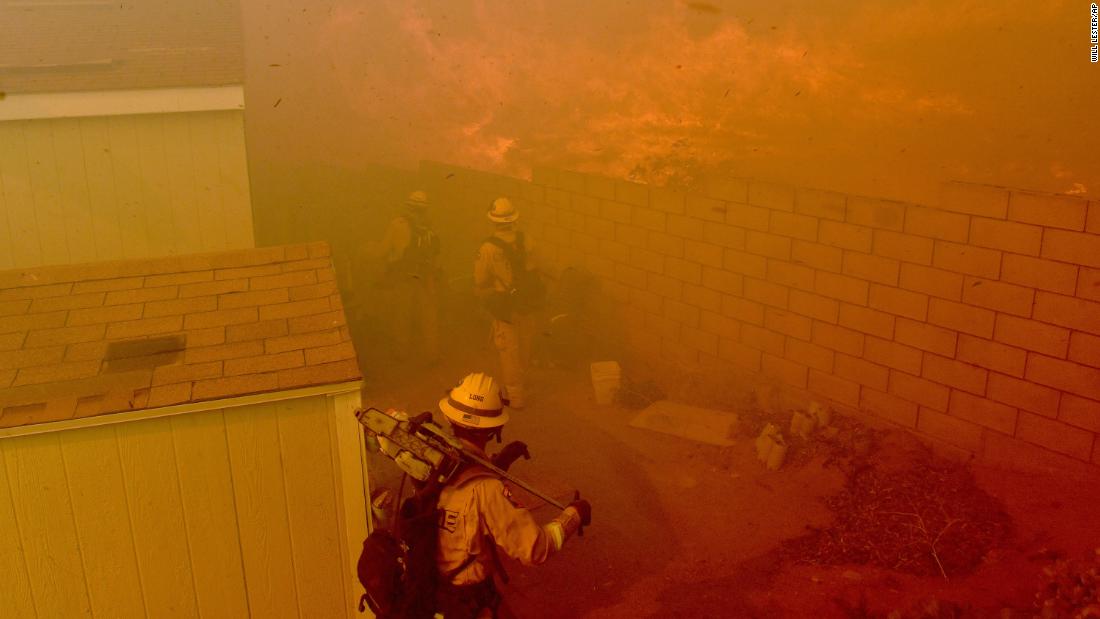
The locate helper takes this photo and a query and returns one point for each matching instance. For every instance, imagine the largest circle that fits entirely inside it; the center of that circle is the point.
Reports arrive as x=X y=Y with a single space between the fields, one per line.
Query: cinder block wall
x=974 y=322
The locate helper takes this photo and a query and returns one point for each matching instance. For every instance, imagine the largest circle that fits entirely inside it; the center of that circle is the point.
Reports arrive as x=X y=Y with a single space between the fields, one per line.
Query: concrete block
x=924 y=392
x=680 y=312
x=746 y=311
x=1064 y=375
x=899 y=302
x=872 y=268
x=771 y=196
x=667 y=199
x=961 y=376
x=741 y=356
x=874 y=213
x=746 y=264
x=749 y=217
x=702 y=207
x=1068 y=312
x=724 y=235
x=1084 y=348
x=889 y=407
x=794 y=226
x=994 y=295
x=837 y=338
x=865 y=320
x=983 y=412
x=707 y=254
x=1052 y=211
x=790 y=274
x=952 y=430
x=1032 y=335
x=962 y=318
x=817 y=256
x=1055 y=435
x=631 y=235
x=770 y=245
x=1075 y=247
x=1024 y=395
x=703 y=425
x=683 y=270
x=925 y=336
x=937 y=224
x=666 y=244
x=845 y=236
x=934 y=282
x=859 y=371
x=834 y=388
x=967 y=259
x=762 y=339
x=814 y=306
x=901 y=246
x=991 y=355
x=809 y=355
x=765 y=292
x=892 y=354
x=1079 y=412
x=787 y=323
x=686 y=227
x=1006 y=235
x=841 y=287
x=974 y=199
x=823 y=204
x=703 y=298
x=1088 y=284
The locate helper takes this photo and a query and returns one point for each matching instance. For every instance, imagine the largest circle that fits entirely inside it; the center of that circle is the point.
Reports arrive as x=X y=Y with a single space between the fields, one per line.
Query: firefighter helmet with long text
x=477 y=402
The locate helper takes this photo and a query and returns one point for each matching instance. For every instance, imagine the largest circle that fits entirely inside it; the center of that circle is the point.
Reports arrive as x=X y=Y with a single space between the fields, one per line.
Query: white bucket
x=606 y=380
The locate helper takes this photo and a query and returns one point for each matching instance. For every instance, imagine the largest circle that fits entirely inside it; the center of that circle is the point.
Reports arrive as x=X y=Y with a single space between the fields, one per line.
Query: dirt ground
x=682 y=529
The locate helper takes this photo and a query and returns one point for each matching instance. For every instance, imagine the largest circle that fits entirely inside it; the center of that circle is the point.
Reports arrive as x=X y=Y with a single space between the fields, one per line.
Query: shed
x=177 y=438
x=121 y=130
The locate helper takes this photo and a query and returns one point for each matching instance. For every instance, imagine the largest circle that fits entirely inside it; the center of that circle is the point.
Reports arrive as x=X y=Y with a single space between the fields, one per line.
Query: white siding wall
x=228 y=513
x=87 y=189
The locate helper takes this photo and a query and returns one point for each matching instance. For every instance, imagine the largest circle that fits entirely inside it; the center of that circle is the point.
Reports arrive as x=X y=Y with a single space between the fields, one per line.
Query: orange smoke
x=856 y=96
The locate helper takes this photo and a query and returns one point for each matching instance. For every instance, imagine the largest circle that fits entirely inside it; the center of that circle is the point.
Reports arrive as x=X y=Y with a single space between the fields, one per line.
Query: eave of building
x=31 y=106
x=180 y=409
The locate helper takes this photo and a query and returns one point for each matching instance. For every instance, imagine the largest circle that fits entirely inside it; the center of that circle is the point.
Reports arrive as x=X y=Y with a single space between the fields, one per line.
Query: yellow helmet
x=477 y=403
x=417 y=198
x=502 y=211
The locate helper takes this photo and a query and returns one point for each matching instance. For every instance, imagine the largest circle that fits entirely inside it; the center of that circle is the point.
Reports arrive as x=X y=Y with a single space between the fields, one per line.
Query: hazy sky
x=879 y=97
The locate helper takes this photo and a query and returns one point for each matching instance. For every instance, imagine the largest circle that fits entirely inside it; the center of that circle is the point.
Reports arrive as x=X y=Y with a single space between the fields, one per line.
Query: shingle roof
x=82 y=340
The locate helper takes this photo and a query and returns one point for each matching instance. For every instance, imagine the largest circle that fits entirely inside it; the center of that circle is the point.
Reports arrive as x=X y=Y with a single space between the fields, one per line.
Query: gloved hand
x=511 y=452
x=584 y=509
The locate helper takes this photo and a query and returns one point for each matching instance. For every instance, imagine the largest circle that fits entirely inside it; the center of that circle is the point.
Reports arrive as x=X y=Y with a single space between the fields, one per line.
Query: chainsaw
x=424 y=450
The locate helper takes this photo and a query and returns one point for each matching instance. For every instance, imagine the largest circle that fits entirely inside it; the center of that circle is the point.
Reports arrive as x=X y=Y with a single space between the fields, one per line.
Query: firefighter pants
x=415 y=312
x=513 y=341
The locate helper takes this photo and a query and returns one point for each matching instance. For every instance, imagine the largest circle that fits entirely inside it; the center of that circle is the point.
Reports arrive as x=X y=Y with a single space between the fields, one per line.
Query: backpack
x=528 y=292
x=398 y=569
x=420 y=255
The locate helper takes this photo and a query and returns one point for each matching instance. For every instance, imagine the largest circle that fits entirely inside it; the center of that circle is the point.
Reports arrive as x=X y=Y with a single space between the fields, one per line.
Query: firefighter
x=506 y=279
x=478 y=514
x=410 y=253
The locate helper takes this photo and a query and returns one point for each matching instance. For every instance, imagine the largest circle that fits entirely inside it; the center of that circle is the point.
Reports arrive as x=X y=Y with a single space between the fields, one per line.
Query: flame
x=684 y=90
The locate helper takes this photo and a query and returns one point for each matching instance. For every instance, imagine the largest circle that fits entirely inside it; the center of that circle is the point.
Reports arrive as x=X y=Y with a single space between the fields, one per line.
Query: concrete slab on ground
x=705 y=425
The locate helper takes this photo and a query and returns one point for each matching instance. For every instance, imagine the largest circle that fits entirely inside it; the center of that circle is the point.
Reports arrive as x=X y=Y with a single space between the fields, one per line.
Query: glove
x=511 y=452
x=584 y=509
